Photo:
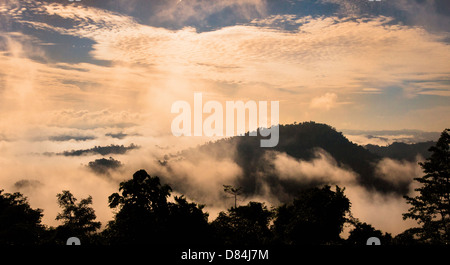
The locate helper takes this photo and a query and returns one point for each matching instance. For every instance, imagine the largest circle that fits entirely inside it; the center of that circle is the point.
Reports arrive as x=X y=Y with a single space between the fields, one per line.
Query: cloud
x=399 y=173
x=387 y=137
x=41 y=179
x=323 y=169
x=432 y=14
x=202 y=12
x=383 y=211
x=371 y=90
x=325 y=102
x=191 y=173
x=151 y=67
x=119 y=37
x=198 y=180
x=93 y=119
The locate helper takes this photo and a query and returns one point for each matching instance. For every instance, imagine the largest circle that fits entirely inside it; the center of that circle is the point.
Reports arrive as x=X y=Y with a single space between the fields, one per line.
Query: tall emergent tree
x=78 y=218
x=233 y=191
x=145 y=216
x=142 y=210
x=431 y=207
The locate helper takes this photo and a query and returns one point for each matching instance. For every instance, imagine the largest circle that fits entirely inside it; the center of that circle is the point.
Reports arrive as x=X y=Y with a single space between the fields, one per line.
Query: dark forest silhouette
x=144 y=215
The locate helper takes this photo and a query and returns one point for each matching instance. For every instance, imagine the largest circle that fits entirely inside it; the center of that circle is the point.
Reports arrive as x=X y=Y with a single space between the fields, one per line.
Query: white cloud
x=198 y=10
x=323 y=55
x=322 y=168
x=325 y=102
x=398 y=172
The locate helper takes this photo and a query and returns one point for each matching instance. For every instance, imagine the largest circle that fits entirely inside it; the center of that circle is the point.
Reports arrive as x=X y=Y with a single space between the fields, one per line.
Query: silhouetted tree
x=142 y=211
x=19 y=223
x=243 y=225
x=78 y=218
x=431 y=207
x=233 y=191
x=187 y=222
x=316 y=216
x=363 y=231
x=407 y=238
x=146 y=217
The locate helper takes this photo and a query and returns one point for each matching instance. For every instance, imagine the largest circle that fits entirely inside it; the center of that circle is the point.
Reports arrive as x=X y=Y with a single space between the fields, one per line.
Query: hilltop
x=300 y=142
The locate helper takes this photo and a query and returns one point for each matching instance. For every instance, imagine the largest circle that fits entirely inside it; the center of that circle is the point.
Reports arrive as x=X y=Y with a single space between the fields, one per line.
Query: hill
x=402 y=151
x=299 y=141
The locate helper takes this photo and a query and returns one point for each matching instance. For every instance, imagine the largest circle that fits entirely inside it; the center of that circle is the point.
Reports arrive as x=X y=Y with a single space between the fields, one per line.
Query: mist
x=201 y=178
x=199 y=172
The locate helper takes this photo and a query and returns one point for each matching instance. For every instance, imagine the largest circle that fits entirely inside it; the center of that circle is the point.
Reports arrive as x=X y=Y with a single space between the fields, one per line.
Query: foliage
x=188 y=223
x=315 y=217
x=233 y=191
x=243 y=225
x=146 y=217
x=402 y=151
x=299 y=141
x=19 y=223
x=363 y=231
x=431 y=207
x=78 y=218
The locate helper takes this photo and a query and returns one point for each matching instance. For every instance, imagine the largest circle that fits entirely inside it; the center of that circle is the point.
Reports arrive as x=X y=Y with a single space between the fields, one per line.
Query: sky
x=74 y=75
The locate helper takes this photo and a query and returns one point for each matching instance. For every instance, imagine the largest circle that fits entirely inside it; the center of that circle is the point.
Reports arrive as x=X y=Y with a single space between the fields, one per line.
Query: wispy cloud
x=330 y=46
x=179 y=12
x=325 y=102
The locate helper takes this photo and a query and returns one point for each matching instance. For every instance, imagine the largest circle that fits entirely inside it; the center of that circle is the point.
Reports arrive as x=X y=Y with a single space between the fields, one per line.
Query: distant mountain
x=386 y=137
x=299 y=141
x=402 y=151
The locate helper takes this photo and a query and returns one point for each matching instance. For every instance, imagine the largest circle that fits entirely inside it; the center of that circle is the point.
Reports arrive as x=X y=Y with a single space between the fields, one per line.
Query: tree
x=243 y=225
x=363 y=231
x=19 y=223
x=78 y=218
x=142 y=211
x=407 y=237
x=146 y=217
x=431 y=207
x=233 y=191
x=187 y=222
x=316 y=216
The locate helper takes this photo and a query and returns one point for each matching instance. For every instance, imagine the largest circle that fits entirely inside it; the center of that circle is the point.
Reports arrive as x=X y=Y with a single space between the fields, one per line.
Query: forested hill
x=402 y=151
x=299 y=141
